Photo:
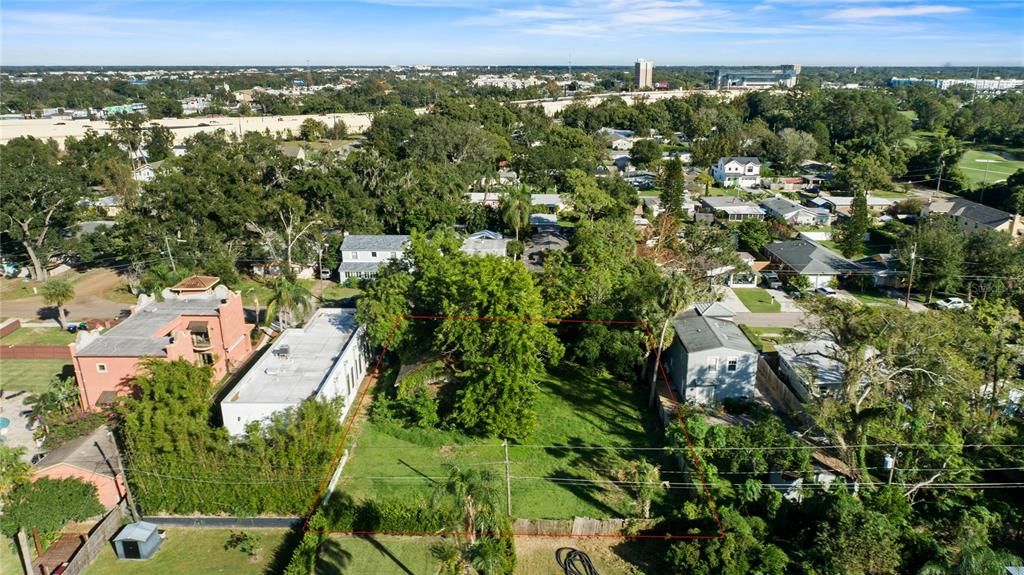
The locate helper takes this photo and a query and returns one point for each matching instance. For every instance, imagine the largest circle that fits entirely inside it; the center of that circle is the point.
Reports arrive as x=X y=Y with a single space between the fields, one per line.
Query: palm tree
x=57 y=293
x=973 y=560
x=515 y=208
x=474 y=495
x=675 y=298
x=291 y=300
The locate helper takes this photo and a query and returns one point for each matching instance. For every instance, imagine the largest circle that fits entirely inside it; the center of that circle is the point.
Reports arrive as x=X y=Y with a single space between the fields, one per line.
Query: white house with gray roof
x=486 y=243
x=744 y=171
x=362 y=256
x=710 y=359
x=326 y=359
x=732 y=208
x=795 y=214
x=809 y=258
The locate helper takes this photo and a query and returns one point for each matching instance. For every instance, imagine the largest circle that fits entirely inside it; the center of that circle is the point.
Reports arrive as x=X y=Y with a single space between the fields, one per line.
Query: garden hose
x=574 y=562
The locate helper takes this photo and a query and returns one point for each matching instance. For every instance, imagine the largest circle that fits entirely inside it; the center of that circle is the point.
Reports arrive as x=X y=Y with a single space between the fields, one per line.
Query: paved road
x=227 y=522
x=89 y=303
x=780 y=319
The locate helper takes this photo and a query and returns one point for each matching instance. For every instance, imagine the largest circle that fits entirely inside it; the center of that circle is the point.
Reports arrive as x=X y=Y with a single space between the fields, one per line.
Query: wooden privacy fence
x=578 y=526
x=35 y=352
x=99 y=537
x=780 y=392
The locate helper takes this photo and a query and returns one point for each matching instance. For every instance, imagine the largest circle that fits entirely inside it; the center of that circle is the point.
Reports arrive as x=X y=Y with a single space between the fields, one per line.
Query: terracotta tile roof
x=196 y=283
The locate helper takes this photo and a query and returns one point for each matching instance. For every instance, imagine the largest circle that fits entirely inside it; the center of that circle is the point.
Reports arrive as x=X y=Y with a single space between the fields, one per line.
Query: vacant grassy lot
x=31 y=375
x=536 y=555
x=757 y=300
x=575 y=408
x=983 y=167
x=380 y=555
x=766 y=338
x=188 y=551
x=17 y=288
x=38 y=336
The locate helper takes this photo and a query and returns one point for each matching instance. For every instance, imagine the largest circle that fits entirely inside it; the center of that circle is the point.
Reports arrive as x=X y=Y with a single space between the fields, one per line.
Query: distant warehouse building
x=326 y=359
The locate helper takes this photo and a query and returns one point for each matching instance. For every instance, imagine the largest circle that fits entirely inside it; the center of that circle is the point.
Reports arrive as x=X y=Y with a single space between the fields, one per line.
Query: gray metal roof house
x=710 y=359
x=362 y=256
x=809 y=258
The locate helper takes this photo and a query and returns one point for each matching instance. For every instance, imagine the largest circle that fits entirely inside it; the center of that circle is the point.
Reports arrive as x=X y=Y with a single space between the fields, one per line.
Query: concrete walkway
x=786 y=303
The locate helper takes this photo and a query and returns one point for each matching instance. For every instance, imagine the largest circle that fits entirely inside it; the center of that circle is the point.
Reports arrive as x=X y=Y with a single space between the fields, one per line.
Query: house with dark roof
x=362 y=256
x=972 y=216
x=710 y=359
x=808 y=258
x=89 y=458
x=742 y=171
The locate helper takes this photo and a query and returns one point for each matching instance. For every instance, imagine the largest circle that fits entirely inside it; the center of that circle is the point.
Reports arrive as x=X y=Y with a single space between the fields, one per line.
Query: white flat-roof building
x=327 y=359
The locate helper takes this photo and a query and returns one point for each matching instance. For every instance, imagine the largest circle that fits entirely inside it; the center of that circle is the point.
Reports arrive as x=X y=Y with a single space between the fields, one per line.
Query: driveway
x=90 y=300
x=780 y=319
x=786 y=303
x=728 y=298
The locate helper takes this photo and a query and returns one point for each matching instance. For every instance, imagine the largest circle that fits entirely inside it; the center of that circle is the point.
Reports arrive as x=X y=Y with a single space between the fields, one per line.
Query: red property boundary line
x=376 y=368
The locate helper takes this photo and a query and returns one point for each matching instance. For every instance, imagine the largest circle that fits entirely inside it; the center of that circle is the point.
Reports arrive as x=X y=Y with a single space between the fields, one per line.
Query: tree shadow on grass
x=282 y=554
x=386 y=552
x=332 y=558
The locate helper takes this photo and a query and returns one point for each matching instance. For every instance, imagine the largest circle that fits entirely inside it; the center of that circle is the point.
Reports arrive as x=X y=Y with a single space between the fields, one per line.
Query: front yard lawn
x=38 y=336
x=575 y=407
x=757 y=300
x=187 y=551
x=873 y=298
x=31 y=375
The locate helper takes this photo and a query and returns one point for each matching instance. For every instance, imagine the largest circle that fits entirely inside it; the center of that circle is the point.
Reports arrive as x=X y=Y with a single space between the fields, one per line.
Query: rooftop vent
x=283 y=351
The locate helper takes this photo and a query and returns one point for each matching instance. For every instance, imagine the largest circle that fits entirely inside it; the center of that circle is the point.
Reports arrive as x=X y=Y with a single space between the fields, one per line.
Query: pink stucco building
x=198 y=321
x=93 y=459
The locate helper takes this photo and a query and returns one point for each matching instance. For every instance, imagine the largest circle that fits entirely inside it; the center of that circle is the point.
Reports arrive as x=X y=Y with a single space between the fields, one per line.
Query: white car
x=825 y=291
x=952 y=303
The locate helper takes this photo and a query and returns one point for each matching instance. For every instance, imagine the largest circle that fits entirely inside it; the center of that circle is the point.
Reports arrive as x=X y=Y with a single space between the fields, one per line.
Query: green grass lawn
x=983 y=167
x=574 y=408
x=871 y=298
x=10 y=561
x=31 y=375
x=188 y=551
x=38 y=336
x=18 y=288
x=766 y=338
x=334 y=292
x=757 y=300
x=380 y=555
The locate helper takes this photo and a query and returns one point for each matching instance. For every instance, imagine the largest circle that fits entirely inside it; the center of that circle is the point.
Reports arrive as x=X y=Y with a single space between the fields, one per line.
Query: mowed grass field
x=757 y=300
x=984 y=167
x=38 y=336
x=549 y=480
x=188 y=551
x=31 y=375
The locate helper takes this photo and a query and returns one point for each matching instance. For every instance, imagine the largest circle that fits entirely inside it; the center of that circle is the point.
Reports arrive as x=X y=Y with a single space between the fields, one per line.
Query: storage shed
x=137 y=541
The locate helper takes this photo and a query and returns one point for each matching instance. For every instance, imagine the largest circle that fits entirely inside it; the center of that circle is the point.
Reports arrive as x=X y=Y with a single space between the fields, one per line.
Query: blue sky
x=508 y=32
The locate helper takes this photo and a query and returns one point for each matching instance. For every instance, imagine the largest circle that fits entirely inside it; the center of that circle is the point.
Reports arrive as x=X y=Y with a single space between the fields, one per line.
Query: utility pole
x=910 y=280
x=892 y=464
x=508 y=479
x=170 y=256
x=938 y=185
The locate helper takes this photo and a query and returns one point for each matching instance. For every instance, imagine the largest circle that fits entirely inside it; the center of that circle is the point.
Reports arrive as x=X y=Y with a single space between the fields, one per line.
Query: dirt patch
x=91 y=299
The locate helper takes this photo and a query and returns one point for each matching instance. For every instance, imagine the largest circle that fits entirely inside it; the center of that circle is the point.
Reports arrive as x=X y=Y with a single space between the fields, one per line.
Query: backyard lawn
x=390 y=462
x=38 y=336
x=188 y=551
x=766 y=338
x=379 y=554
x=31 y=375
x=10 y=561
x=757 y=300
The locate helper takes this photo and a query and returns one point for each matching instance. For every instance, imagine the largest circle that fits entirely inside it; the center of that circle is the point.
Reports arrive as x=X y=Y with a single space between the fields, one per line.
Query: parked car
x=796 y=294
x=952 y=303
x=37 y=458
x=771 y=279
x=825 y=291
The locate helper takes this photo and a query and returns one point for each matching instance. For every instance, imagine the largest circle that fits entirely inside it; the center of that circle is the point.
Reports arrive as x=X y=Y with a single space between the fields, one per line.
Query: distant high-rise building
x=643 y=71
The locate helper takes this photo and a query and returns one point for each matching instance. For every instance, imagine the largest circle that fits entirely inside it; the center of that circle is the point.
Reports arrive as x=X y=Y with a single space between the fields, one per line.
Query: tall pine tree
x=673 y=187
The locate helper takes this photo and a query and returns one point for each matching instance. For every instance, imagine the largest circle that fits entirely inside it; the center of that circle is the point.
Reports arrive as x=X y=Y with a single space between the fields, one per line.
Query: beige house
x=972 y=216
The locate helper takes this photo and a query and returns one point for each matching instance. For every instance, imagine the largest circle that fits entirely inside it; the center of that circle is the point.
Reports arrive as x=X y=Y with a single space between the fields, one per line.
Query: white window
x=713 y=363
x=101 y=367
x=733 y=364
x=354 y=255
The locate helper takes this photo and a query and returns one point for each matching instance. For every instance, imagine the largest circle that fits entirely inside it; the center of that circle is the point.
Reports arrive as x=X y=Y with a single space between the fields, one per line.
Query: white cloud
x=894 y=11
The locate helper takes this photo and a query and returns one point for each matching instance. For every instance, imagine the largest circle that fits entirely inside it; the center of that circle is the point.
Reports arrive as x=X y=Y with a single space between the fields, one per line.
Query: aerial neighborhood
x=455 y=319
